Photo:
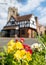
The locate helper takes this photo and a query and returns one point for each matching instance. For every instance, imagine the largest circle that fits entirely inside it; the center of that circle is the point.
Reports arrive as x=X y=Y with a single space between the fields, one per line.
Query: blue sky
x=36 y=7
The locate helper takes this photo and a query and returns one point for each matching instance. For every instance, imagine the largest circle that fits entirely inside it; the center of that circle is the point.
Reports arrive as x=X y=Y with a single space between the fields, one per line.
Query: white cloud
x=28 y=7
x=2 y=23
x=42 y=17
x=43 y=20
x=3 y=15
x=42 y=11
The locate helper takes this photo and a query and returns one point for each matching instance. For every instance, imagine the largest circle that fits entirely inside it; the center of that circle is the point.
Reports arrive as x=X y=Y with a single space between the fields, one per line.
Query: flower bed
x=17 y=53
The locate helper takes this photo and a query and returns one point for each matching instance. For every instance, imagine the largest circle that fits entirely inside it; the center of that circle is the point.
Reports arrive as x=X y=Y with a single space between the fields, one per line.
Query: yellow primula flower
x=11 y=43
x=27 y=56
x=23 y=52
x=10 y=49
x=19 y=45
x=18 y=54
x=15 y=45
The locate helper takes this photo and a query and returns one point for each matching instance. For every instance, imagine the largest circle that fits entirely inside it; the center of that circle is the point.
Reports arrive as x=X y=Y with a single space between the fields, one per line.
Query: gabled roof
x=22 y=18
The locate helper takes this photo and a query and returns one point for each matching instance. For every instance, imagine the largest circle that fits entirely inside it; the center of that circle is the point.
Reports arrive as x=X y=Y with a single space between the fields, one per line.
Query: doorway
x=7 y=34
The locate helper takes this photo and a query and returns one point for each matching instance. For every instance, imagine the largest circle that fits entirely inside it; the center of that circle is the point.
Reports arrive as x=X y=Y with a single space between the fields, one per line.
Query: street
x=4 y=41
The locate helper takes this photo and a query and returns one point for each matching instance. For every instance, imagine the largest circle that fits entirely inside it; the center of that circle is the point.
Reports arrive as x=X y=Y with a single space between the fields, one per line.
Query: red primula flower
x=16 y=40
x=27 y=48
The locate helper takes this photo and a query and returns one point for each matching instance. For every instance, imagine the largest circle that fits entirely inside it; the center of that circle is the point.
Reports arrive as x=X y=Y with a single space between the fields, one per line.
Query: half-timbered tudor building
x=22 y=26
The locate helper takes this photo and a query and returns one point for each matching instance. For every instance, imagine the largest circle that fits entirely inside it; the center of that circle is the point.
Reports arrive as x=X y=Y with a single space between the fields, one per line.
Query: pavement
x=29 y=41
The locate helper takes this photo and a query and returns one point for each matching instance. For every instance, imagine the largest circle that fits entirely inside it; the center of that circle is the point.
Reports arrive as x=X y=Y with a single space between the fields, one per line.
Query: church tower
x=12 y=11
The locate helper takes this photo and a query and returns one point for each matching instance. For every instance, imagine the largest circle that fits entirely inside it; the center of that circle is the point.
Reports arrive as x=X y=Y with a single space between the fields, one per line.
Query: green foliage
x=38 y=58
x=0 y=62
x=42 y=39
